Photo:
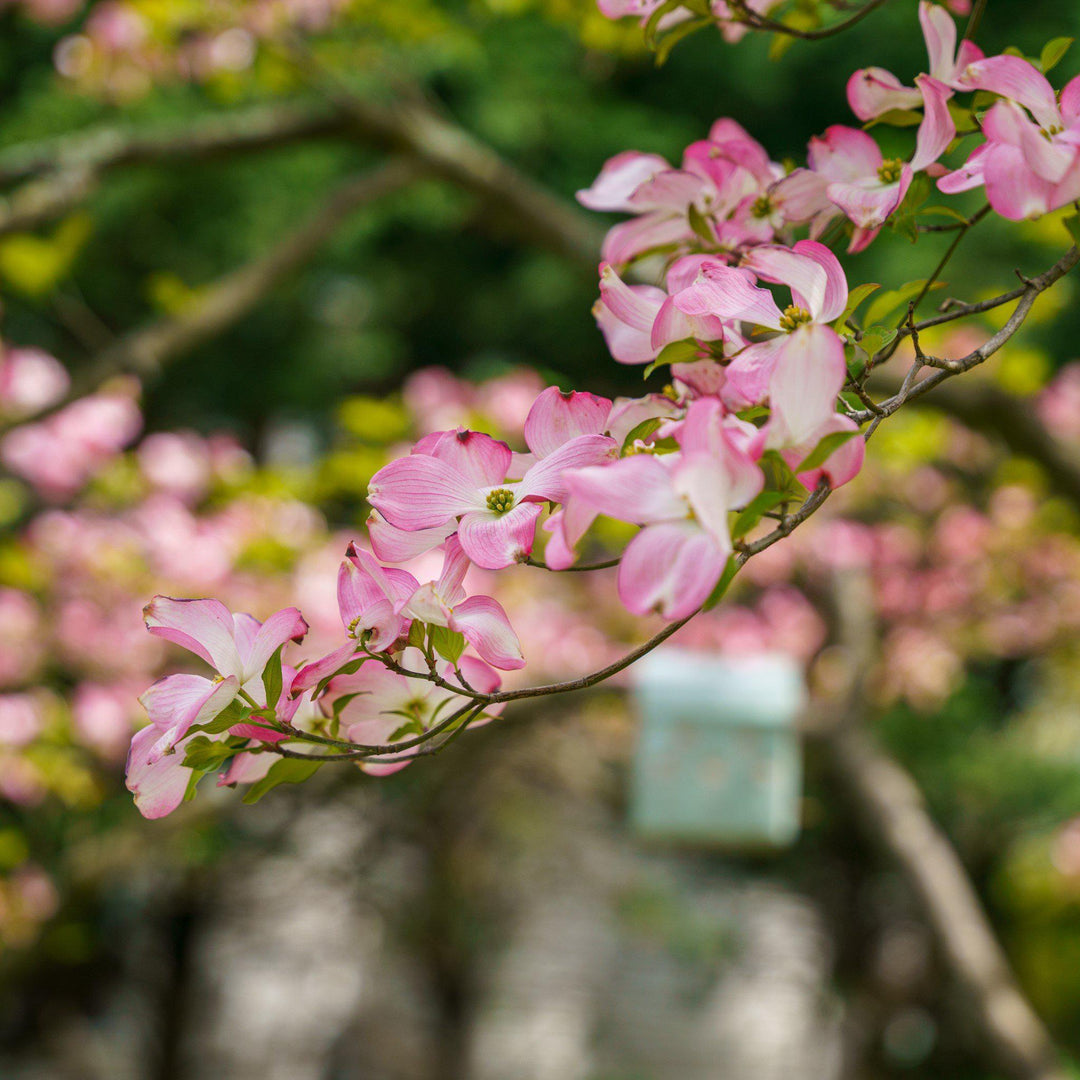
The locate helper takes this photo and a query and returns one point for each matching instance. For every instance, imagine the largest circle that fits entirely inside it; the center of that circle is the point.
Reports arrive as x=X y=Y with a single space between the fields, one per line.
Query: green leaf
x=892 y=301
x=271 y=679
x=449 y=644
x=672 y=38
x=755 y=511
x=641 y=431
x=944 y=211
x=904 y=225
x=722 y=585
x=700 y=224
x=875 y=338
x=897 y=118
x=920 y=189
x=347 y=669
x=855 y=298
x=824 y=450
x=233 y=713
x=679 y=352
x=205 y=754
x=1072 y=223
x=1053 y=51
x=285 y=771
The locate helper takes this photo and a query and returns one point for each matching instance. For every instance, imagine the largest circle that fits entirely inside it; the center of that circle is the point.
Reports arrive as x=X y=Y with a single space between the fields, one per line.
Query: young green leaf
x=449 y=644
x=755 y=511
x=1053 y=51
x=824 y=450
x=271 y=679
x=722 y=585
x=285 y=771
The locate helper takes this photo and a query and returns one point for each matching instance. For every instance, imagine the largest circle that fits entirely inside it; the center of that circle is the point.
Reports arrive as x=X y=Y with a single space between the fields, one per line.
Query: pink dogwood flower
x=481 y=620
x=463 y=475
x=237 y=647
x=873 y=91
x=1030 y=162
x=847 y=173
x=724 y=178
x=638 y=321
x=682 y=501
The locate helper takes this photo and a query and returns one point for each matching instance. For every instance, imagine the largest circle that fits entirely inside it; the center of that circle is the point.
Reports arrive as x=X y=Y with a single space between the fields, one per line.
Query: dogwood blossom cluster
x=753 y=322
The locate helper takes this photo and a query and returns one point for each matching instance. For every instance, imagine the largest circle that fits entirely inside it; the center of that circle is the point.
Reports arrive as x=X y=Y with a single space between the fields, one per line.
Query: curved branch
x=946 y=369
x=147 y=351
x=762 y=22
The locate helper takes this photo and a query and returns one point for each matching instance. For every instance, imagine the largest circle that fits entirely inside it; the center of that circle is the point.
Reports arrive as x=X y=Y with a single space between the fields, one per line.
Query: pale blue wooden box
x=718 y=760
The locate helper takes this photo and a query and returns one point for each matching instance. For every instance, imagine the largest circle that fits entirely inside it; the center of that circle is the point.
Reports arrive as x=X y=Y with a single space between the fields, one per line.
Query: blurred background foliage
x=310 y=382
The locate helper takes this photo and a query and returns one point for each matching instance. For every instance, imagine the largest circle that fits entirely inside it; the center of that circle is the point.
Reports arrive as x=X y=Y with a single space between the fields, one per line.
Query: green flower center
x=794 y=317
x=761 y=207
x=889 y=170
x=500 y=500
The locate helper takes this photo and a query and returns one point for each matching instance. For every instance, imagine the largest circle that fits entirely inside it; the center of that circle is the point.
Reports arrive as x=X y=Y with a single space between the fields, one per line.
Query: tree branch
x=147 y=351
x=59 y=174
x=762 y=22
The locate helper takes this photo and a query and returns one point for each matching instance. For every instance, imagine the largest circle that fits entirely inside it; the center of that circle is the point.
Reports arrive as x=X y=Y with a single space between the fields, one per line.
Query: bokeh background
x=264 y=321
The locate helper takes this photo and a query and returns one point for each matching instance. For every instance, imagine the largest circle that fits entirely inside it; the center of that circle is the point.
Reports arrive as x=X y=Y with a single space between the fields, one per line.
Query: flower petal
x=204 y=627
x=670 y=568
x=159 y=785
x=395 y=545
x=545 y=479
x=638 y=489
x=494 y=541
x=620 y=177
x=421 y=492
x=555 y=418
x=484 y=625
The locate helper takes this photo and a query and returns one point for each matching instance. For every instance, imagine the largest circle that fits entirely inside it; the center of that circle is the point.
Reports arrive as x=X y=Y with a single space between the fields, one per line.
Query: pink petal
x=937 y=129
x=1007 y=123
x=479 y=458
x=421 y=492
x=749 y=373
x=802 y=270
x=1070 y=102
x=310 y=675
x=1012 y=189
x=842 y=465
x=176 y=703
x=555 y=418
x=620 y=177
x=1014 y=78
x=670 y=568
x=809 y=372
x=479 y=675
x=204 y=627
x=672 y=189
x=632 y=238
x=729 y=293
x=246 y=768
x=638 y=489
x=939 y=31
x=395 y=545
x=283 y=626
x=159 y=785
x=545 y=479
x=801 y=195
x=486 y=628
x=869 y=203
x=873 y=91
x=494 y=541
x=844 y=153
x=455 y=566
x=969 y=175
